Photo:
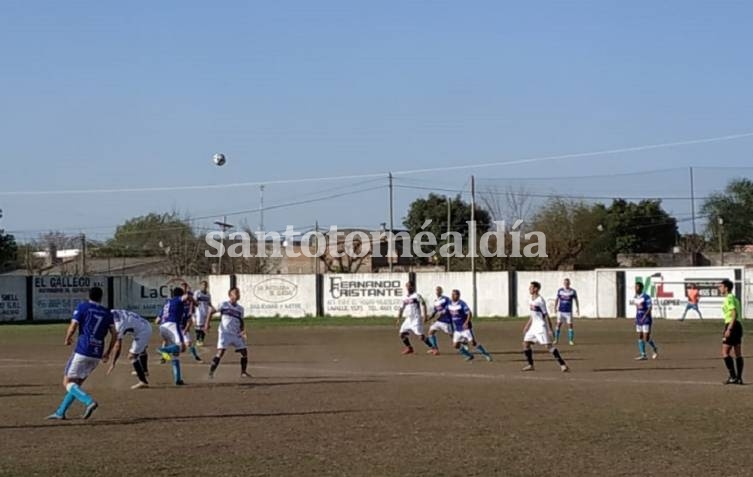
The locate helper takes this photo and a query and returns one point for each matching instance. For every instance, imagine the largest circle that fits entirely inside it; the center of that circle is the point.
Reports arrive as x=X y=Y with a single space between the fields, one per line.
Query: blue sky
x=104 y=95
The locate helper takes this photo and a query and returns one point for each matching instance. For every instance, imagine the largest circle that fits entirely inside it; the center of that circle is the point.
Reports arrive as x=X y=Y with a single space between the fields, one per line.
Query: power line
x=604 y=152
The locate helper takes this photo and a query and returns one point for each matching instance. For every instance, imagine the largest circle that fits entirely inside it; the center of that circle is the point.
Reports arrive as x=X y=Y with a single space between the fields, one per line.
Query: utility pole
x=390 y=241
x=224 y=226
x=449 y=228
x=317 y=258
x=692 y=199
x=473 y=242
x=83 y=254
x=261 y=208
x=720 y=220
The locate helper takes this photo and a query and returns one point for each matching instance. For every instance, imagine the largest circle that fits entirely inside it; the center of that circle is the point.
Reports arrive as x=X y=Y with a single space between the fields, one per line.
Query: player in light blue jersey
x=463 y=328
x=93 y=322
x=443 y=319
x=171 y=331
x=563 y=303
x=643 y=322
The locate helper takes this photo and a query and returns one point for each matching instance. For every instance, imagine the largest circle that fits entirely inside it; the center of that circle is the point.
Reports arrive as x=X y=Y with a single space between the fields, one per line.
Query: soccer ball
x=218 y=159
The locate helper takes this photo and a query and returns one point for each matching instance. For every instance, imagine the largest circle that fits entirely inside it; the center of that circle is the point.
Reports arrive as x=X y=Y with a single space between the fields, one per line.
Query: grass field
x=335 y=397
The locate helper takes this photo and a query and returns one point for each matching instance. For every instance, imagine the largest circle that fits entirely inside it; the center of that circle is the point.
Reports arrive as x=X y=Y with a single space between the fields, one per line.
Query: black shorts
x=735 y=336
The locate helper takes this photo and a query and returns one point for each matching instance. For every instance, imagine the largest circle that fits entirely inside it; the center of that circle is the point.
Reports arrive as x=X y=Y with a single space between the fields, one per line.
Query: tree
x=8 y=251
x=735 y=207
x=642 y=227
x=571 y=227
x=507 y=204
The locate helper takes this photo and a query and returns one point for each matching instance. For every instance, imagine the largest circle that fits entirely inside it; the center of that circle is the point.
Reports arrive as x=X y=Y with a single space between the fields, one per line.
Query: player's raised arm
x=577 y=303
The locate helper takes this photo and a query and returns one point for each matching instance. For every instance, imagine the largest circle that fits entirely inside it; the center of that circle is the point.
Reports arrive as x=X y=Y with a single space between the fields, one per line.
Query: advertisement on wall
x=12 y=298
x=364 y=294
x=147 y=295
x=668 y=289
x=278 y=295
x=55 y=297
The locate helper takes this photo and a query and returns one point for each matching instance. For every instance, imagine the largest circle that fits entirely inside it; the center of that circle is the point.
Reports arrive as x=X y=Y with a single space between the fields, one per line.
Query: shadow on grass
x=21 y=394
x=173 y=419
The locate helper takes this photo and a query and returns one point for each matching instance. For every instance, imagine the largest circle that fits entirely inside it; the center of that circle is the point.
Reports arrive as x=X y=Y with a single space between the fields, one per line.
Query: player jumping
x=232 y=332
x=204 y=310
x=564 y=306
x=415 y=308
x=733 y=332
x=539 y=329
x=461 y=322
x=189 y=304
x=93 y=322
x=643 y=322
x=443 y=321
x=171 y=331
x=130 y=322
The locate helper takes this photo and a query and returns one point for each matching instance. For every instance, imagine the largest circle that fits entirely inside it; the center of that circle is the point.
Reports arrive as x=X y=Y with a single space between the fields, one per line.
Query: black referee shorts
x=735 y=336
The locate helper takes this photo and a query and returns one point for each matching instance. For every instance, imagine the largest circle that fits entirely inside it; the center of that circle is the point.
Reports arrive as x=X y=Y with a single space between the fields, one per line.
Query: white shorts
x=412 y=325
x=441 y=326
x=199 y=321
x=80 y=366
x=140 y=342
x=643 y=328
x=169 y=333
x=537 y=336
x=226 y=340
x=463 y=336
x=564 y=317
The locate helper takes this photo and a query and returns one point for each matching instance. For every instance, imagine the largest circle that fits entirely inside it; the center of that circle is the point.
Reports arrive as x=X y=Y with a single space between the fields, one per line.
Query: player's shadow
x=180 y=418
x=646 y=368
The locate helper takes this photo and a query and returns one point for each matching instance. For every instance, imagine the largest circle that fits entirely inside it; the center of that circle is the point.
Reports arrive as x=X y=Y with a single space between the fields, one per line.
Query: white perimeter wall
x=491 y=289
x=12 y=298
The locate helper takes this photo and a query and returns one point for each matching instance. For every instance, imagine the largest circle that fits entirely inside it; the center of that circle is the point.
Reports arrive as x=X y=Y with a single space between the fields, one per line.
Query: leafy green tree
x=735 y=207
x=8 y=251
x=151 y=235
x=640 y=227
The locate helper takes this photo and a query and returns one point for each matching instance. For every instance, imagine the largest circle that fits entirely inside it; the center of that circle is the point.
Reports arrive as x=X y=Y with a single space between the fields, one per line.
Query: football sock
x=653 y=345
x=144 y=360
x=529 y=355
x=200 y=335
x=406 y=342
x=172 y=349
x=215 y=363
x=739 y=361
x=482 y=350
x=67 y=401
x=176 y=370
x=80 y=394
x=427 y=342
x=571 y=334
x=464 y=352
x=192 y=349
x=730 y=366
x=556 y=353
x=557 y=334
x=433 y=339
x=244 y=363
x=642 y=347
x=139 y=369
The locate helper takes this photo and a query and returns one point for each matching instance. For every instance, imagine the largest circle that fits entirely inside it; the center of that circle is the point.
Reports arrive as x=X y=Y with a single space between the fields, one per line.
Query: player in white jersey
x=414 y=308
x=232 y=332
x=129 y=322
x=539 y=329
x=202 y=312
